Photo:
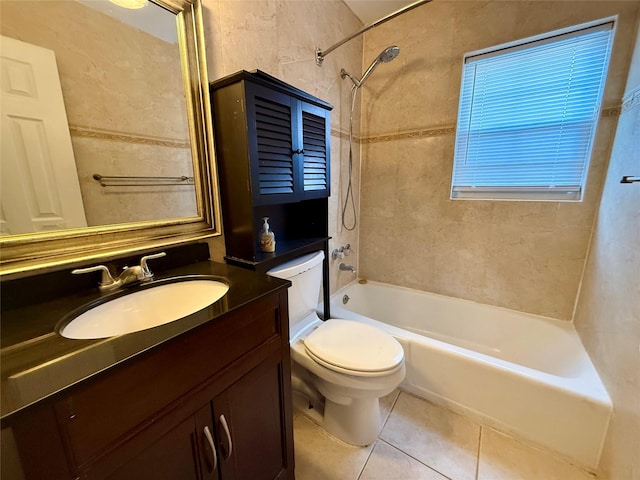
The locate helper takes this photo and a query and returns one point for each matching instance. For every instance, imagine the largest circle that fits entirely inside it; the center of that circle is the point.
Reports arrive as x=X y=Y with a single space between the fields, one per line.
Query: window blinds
x=527 y=117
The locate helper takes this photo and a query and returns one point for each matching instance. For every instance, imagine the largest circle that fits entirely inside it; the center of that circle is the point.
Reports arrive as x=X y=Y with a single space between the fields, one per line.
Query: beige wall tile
x=106 y=82
x=527 y=256
x=280 y=37
x=111 y=205
x=608 y=309
x=340 y=195
x=123 y=109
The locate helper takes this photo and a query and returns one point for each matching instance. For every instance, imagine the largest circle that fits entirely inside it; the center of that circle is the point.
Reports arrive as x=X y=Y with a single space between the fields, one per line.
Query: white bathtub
x=523 y=374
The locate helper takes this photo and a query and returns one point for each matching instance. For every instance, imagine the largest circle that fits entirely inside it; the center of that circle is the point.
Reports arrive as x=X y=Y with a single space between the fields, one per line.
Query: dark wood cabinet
x=212 y=403
x=273 y=154
x=185 y=451
x=248 y=425
x=273 y=137
x=288 y=146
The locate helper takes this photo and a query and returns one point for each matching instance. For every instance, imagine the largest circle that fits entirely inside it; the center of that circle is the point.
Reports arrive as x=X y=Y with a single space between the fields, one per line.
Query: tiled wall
x=527 y=256
x=608 y=310
x=280 y=38
x=126 y=114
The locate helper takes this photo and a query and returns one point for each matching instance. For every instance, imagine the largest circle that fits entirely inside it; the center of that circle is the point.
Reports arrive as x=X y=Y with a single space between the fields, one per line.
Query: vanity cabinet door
x=251 y=425
x=182 y=453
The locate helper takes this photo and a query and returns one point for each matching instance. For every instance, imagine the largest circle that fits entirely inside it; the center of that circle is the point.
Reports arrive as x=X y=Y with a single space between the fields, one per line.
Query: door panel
x=174 y=456
x=316 y=178
x=40 y=189
x=272 y=143
x=252 y=408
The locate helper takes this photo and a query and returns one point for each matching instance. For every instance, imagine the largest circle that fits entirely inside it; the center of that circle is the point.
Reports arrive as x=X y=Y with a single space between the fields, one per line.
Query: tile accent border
x=611 y=112
x=422 y=133
x=629 y=101
x=100 y=134
x=343 y=135
x=427 y=132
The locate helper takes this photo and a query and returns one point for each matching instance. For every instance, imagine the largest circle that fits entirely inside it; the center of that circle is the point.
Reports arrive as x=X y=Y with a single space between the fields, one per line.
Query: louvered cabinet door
x=271 y=118
x=316 y=180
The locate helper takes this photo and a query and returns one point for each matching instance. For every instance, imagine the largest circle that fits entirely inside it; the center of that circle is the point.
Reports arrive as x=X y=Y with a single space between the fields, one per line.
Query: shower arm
x=320 y=54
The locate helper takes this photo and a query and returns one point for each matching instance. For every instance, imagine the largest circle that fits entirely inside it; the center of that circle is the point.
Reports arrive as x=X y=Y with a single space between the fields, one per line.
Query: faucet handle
x=341 y=251
x=148 y=274
x=107 y=280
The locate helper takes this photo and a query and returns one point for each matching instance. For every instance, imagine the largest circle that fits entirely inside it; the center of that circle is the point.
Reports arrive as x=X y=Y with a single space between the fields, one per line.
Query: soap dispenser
x=267 y=238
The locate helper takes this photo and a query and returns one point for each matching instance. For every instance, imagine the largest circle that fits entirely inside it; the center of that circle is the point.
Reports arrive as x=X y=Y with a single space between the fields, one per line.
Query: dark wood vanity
x=205 y=397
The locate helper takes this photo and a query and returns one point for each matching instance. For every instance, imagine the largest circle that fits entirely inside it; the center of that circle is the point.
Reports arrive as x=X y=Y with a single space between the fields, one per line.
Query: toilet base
x=358 y=423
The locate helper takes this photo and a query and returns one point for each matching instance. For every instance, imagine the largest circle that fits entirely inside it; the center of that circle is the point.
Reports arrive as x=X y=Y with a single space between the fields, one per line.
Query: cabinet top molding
x=261 y=78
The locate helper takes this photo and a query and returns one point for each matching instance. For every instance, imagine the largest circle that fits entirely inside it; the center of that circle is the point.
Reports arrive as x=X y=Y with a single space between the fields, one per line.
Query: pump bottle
x=267 y=238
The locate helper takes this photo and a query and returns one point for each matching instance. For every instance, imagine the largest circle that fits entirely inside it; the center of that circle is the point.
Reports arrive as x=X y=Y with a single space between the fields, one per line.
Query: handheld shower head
x=389 y=54
x=385 y=56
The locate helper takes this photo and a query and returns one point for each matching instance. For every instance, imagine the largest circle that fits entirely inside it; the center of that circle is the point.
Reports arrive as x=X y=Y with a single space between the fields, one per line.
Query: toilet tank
x=305 y=275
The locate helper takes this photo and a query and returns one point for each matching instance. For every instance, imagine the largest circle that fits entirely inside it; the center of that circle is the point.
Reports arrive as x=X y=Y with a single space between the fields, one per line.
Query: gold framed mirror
x=184 y=132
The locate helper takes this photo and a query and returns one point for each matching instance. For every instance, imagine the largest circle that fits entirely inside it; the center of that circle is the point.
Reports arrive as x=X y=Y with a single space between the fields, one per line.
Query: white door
x=40 y=189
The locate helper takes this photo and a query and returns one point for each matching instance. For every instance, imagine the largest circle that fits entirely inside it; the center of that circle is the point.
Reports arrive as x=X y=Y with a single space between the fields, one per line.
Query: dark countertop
x=36 y=362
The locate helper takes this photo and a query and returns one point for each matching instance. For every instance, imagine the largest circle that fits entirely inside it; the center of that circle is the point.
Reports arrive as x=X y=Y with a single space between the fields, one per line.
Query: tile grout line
x=400 y=392
x=379 y=439
x=364 y=465
x=478 y=454
x=414 y=458
x=393 y=405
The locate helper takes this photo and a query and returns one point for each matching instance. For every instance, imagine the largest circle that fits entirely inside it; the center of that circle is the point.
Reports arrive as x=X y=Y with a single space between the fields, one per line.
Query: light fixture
x=133 y=4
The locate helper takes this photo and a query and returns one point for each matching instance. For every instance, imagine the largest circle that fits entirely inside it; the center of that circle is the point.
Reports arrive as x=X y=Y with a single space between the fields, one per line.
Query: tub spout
x=344 y=266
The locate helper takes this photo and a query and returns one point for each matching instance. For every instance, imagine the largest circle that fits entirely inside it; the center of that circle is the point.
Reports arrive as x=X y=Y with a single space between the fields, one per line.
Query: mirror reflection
x=91 y=90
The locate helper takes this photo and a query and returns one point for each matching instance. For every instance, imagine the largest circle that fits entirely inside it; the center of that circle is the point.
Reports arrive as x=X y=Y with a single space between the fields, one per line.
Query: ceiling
x=368 y=11
x=154 y=20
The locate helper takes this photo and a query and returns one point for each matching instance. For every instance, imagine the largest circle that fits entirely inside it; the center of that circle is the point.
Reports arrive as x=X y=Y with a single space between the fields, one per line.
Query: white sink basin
x=144 y=309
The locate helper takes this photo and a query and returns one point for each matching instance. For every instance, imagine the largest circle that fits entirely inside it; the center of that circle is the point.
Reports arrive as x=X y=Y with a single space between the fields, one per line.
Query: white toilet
x=345 y=365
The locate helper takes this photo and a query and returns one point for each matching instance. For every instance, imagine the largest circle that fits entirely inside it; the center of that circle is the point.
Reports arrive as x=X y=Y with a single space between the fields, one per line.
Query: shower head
x=389 y=54
x=385 y=56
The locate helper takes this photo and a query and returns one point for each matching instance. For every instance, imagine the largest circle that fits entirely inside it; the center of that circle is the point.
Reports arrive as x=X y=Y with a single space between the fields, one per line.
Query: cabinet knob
x=298 y=151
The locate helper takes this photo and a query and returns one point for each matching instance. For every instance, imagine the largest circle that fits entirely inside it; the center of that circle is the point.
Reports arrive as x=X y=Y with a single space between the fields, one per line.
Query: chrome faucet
x=137 y=273
x=344 y=266
x=341 y=251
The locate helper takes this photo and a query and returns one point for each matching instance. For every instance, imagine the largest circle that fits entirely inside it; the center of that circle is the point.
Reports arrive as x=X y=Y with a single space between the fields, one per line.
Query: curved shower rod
x=320 y=54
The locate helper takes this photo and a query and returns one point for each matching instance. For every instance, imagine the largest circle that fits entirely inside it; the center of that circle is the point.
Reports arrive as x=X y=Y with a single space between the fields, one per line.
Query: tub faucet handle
x=341 y=251
x=348 y=268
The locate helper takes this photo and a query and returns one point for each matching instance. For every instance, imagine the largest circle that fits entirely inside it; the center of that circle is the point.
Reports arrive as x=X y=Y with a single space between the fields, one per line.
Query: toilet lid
x=353 y=346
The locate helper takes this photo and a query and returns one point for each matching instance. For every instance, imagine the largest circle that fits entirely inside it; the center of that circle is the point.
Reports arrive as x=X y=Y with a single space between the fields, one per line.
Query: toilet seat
x=354 y=348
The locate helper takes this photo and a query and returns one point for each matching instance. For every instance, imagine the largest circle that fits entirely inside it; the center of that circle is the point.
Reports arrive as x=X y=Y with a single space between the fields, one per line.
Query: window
x=528 y=114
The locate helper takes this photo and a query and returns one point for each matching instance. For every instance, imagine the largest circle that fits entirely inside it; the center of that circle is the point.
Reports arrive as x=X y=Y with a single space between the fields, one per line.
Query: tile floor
x=421 y=441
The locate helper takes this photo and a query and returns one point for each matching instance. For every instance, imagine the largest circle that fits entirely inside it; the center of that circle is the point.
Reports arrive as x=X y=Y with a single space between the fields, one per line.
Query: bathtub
x=525 y=375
